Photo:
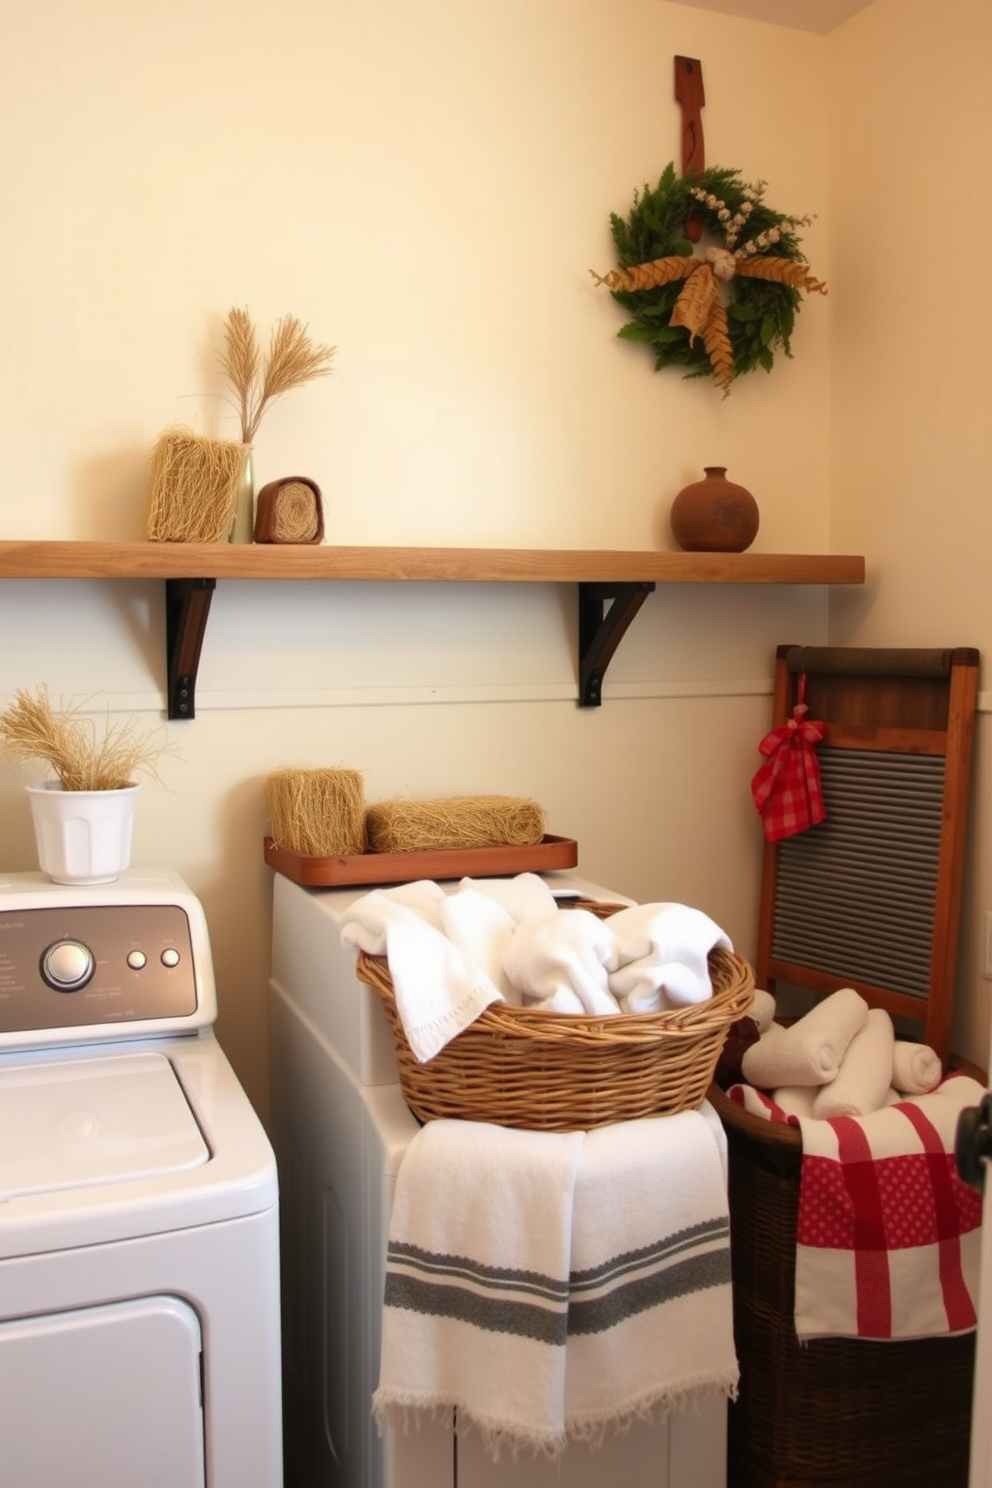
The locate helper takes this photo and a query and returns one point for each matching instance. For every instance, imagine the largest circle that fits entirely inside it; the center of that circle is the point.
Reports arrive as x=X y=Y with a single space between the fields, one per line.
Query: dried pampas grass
x=83 y=761
x=292 y=361
x=456 y=821
x=193 y=487
x=319 y=813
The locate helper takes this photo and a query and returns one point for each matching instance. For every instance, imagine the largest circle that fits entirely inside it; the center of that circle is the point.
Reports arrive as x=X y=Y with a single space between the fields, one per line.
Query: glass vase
x=243 y=525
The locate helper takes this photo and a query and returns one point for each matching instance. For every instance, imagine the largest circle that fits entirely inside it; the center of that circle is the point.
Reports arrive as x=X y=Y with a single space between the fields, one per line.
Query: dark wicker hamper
x=835 y=1412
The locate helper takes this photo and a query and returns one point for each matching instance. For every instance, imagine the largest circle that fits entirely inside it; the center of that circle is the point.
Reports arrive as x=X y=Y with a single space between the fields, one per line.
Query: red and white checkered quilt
x=887 y=1236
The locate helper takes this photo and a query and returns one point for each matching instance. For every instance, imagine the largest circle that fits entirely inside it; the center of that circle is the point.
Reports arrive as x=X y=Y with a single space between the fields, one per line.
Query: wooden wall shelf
x=612 y=583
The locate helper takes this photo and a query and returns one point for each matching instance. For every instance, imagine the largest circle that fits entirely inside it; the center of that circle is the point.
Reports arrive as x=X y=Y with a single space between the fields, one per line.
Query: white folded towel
x=561 y=1000
x=650 y=1319
x=483 y=928
x=524 y=895
x=423 y=896
x=556 y=1286
x=476 y=1295
x=439 y=990
x=762 y=1010
x=570 y=951
x=916 y=1069
x=808 y=1052
x=865 y=1072
x=663 y=951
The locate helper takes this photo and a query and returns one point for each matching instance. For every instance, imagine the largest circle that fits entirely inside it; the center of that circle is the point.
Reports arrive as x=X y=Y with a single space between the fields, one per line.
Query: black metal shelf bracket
x=187 y=605
x=605 y=612
x=600 y=632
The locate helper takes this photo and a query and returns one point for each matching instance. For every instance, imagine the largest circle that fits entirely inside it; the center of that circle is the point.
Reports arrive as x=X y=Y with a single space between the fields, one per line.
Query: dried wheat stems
x=257 y=381
x=83 y=760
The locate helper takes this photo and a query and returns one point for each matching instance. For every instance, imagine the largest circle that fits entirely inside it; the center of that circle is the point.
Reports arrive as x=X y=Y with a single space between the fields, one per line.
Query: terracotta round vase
x=714 y=515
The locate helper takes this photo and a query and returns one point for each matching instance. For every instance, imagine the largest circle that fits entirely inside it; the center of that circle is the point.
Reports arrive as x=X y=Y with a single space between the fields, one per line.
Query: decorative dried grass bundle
x=456 y=821
x=193 y=487
x=292 y=361
x=31 y=729
x=319 y=813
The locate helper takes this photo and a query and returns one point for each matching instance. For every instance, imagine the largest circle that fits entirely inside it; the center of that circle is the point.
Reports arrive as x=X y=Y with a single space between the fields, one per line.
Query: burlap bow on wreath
x=760 y=270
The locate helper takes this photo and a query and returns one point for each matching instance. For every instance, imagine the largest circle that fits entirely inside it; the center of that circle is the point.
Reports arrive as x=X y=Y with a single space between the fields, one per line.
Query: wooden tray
x=405 y=867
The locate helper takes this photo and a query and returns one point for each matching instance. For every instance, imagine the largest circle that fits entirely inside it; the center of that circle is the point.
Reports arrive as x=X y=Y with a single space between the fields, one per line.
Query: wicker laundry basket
x=525 y=1067
x=834 y=1412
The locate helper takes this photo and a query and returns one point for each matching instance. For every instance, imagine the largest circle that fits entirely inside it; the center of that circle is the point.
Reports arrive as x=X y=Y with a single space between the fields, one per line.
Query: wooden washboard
x=871 y=898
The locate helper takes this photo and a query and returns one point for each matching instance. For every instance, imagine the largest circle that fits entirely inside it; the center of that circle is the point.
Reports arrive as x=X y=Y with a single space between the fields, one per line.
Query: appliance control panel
x=95 y=966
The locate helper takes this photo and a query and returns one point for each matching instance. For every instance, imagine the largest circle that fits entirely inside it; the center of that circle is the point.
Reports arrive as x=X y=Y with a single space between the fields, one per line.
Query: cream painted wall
x=911 y=391
x=428 y=187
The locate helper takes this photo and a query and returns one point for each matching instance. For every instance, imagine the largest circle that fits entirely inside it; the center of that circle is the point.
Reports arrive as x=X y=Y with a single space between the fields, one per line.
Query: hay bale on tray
x=319 y=813
x=453 y=822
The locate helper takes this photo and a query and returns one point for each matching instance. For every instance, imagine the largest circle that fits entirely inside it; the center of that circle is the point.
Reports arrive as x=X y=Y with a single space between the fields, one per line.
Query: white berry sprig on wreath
x=725 y=310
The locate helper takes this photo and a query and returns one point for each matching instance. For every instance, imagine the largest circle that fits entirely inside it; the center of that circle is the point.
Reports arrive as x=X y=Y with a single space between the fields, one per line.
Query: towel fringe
x=400 y=1411
x=591 y=1429
x=408 y=1414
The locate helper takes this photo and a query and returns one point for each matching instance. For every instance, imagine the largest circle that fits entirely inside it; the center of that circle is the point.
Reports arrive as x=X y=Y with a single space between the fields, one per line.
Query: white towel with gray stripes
x=556 y=1286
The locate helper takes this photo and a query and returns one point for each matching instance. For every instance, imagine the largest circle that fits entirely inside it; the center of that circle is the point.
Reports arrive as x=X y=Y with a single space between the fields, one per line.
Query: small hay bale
x=457 y=821
x=193 y=487
x=319 y=813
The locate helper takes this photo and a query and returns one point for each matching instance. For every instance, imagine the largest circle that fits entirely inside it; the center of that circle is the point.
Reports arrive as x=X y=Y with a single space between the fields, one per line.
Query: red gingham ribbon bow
x=786 y=789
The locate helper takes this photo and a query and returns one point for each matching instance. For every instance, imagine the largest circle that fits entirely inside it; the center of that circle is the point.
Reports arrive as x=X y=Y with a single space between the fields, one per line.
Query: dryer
x=340 y=1129
x=139 y=1244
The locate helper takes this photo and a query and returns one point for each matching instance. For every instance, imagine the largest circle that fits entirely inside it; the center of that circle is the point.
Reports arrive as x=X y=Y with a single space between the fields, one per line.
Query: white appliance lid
x=75 y=1123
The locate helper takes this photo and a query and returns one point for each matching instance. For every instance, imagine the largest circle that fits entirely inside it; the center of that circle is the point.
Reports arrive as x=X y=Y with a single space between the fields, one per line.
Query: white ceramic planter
x=83 y=837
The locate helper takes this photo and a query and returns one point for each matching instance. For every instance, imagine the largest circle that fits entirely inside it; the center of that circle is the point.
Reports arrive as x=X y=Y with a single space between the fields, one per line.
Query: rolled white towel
x=865 y=1073
x=762 y=1009
x=809 y=1052
x=568 y=950
x=795 y=1100
x=662 y=956
x=916 y=1068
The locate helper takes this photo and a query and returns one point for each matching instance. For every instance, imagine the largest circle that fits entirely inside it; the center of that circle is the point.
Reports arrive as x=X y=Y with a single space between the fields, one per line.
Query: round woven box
x=525 y=1067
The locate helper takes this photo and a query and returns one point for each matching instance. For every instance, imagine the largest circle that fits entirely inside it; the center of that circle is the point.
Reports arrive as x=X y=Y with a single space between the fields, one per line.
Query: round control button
x=136 y=960
x=67 y=965
x=170 y=957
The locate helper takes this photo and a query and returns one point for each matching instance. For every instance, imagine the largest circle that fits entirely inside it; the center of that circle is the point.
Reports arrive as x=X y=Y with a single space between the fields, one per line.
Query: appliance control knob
x=67 y=965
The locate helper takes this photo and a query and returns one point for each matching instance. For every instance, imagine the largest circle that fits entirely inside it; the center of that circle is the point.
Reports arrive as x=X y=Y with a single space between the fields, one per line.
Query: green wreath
x=674 y=296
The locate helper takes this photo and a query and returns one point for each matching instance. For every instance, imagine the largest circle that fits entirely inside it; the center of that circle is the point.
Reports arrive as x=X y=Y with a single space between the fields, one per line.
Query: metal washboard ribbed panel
x=858 y=892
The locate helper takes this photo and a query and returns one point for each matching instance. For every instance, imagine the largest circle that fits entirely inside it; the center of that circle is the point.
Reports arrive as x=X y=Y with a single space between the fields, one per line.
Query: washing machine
x=340 y=1129
x=139 y=1224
